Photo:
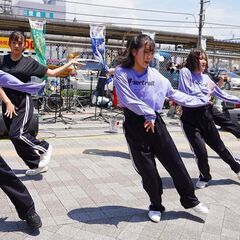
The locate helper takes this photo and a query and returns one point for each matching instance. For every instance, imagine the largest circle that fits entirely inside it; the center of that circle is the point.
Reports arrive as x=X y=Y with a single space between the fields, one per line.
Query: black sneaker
x=34 y=221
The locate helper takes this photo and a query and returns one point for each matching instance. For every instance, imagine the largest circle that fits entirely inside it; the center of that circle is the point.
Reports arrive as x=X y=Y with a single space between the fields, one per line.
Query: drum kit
x=53 y=100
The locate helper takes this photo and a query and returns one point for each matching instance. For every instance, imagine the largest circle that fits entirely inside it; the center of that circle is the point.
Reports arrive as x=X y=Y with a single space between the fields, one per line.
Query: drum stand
x=68 y=105
x=58 y=117
x=75 y=104
x=95 y=117
x=72 y=102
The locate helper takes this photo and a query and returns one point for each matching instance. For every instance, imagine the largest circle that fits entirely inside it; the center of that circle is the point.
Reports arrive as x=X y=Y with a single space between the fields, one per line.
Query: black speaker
x=234 y=114
x=33 y=127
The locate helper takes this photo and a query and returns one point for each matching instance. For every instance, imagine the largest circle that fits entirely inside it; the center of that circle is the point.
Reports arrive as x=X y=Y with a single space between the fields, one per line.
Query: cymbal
x=73 y=55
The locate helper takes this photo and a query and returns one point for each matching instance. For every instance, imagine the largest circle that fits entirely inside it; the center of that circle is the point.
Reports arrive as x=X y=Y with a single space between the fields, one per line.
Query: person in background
x=9 y=182
x=141 y=92
x=24 y=68
x=220 y=118
x=224 y=121
x=198 y=122
x=172 y=75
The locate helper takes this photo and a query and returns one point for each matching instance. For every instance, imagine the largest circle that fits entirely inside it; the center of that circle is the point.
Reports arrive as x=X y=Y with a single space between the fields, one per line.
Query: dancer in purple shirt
x=141 y=91
x=198 y=121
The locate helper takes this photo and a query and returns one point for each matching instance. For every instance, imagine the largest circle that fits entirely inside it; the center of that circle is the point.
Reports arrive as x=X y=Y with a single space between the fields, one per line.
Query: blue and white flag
x=98 y=43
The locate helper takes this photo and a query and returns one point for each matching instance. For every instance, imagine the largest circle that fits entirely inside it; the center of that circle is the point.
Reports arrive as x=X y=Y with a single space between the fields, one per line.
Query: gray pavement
x=92 y=191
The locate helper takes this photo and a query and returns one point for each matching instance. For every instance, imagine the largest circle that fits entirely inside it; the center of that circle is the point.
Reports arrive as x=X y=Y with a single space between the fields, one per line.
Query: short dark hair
x=14 y=36
x=192 y=62
x=127 y=60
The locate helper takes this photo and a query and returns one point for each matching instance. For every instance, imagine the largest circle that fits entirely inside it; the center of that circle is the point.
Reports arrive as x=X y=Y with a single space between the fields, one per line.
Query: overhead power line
x=131 y=9
x=132 y=18
x=136 y=24
x=149 y=10
x=110 y=16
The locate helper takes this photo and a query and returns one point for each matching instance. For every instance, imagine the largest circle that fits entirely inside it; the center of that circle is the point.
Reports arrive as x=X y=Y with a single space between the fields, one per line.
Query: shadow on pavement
x=113 y=215
x=187 y=155
x=16 y=226
x=37 y=177
x=106 y=153
x=19 y=171
x=191 y=155
x=168 y=182
x=170 y=215
x=223 y=182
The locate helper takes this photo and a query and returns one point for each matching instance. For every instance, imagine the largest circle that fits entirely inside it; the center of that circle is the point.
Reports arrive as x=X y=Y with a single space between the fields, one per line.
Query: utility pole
x=201 y=22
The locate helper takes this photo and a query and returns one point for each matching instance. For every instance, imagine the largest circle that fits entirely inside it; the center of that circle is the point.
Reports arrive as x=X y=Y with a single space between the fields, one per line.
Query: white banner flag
x=204 y=43
x=98 y=42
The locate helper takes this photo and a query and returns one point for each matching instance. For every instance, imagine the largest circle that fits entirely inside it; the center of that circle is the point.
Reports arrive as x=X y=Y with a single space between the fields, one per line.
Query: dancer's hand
x=76 y=63
x=211 y=89
x=11 y=110
x=149 y=125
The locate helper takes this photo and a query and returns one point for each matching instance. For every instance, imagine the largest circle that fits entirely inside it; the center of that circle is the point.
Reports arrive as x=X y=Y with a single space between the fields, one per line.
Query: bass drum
x=54 y=102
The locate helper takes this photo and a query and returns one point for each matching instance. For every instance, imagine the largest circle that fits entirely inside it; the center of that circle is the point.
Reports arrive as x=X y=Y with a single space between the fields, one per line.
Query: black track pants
x=16 y=191
x=25 y=144
x=199 y=128
x=144 y=147
x=224 y=121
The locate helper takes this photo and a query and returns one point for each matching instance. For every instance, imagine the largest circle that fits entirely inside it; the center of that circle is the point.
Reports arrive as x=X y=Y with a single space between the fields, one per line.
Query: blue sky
x=216 y=11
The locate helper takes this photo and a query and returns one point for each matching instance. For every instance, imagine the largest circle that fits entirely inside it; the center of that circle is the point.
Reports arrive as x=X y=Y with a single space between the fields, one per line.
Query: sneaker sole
x=201 y=187
x=45 y=169
x=43 y=162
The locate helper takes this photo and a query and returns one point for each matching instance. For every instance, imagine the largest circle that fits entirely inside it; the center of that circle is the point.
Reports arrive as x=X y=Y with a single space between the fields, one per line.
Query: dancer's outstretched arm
x=9 y=81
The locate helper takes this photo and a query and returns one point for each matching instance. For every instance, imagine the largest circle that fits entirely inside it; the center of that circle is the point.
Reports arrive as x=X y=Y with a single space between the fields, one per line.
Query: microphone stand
x=99 y=91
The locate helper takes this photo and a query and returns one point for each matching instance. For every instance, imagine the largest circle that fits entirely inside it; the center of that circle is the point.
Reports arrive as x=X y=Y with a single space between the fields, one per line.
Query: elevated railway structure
x=70 y=29
x=76 y=35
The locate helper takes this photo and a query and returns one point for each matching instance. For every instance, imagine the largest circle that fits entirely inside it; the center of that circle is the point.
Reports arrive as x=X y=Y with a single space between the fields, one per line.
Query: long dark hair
x=14 y=36
x=192 y=62
x=127 y=59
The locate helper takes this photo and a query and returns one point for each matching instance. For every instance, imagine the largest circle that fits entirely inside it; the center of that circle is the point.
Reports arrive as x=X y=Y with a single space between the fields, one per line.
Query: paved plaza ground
x=92 y=191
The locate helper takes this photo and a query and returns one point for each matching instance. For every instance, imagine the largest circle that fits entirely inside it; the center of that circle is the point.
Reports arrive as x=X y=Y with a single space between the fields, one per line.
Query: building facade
x=46 y=9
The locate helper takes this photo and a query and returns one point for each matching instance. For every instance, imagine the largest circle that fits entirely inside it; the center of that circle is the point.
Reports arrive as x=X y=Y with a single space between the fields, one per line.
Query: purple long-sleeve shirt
x=144 y=93
x=197 y=84
x=9 y=81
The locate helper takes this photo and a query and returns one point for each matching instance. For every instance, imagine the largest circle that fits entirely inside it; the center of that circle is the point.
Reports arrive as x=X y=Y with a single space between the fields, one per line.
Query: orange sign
x=4 y=44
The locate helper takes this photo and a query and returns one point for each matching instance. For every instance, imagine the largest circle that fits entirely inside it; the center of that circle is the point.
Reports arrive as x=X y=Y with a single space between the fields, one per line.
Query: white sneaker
x=155 y=216
x=45 y=157
x=201 y=184
x=238 y=175
x=32 y=172
x=201 y=208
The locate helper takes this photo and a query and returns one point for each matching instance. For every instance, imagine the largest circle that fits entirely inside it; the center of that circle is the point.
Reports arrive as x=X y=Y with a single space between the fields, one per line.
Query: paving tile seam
x=109 y=135
x=59 y=151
